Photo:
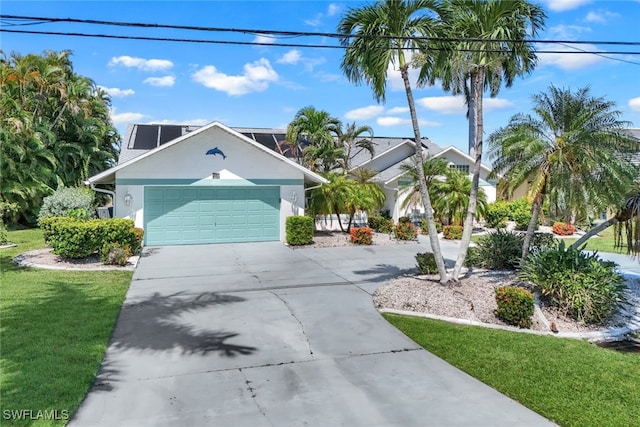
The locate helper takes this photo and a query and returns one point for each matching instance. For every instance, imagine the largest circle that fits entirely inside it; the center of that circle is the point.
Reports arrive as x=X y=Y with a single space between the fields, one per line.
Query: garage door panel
x=189 y=215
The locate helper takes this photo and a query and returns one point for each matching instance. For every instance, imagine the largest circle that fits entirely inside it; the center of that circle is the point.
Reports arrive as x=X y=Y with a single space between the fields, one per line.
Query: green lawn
x=570 y=382
x=55 y=328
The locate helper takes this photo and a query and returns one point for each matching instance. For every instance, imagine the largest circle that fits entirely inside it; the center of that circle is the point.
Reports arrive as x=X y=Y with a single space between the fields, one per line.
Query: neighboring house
x=167 y=183
x=212 y=184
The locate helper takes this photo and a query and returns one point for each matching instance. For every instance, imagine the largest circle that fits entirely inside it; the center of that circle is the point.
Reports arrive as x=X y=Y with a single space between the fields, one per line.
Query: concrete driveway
x=264 y=335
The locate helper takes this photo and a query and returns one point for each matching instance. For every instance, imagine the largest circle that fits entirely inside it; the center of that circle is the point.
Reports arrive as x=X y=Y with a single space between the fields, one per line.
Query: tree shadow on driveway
x=155 y=324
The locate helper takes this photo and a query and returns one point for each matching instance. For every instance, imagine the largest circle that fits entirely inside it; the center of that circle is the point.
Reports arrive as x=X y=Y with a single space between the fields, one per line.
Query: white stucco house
x=215 y=184
x=202 y=185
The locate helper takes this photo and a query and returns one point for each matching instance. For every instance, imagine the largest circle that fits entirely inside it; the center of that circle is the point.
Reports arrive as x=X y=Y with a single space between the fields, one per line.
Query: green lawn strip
x=570 y=382
x=55 y=330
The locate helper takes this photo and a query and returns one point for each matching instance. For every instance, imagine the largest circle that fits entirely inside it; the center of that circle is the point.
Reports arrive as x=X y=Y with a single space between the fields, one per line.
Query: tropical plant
x=356 y=140
x=498 y=250
x=451 y=197
x=65 y=200
x=426 y=263
x=55 y=129
x=515 y=305
x=312 y=138
x=580 y=285
x=381 y=35
x=574 y=148
x=489 y=48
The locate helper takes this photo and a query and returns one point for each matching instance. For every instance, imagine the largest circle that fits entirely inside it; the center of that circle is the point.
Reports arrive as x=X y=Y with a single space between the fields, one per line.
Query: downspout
x=101 y=190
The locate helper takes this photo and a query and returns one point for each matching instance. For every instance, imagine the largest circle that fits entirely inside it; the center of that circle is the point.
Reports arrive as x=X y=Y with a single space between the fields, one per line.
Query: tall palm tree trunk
x=531 y=228
x=424 y=193
x=477 y=80
x=595 y=230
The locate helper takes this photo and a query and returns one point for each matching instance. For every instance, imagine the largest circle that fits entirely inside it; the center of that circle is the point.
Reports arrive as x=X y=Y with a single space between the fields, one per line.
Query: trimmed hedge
x=381 y=224
x=299 y=230
x=75 y=238
x=452 y=232
x=404 y=230
x=563 y=229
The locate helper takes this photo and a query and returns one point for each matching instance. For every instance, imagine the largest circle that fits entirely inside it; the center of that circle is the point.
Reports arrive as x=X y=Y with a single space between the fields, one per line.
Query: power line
x=300 y=45
x=44 y=20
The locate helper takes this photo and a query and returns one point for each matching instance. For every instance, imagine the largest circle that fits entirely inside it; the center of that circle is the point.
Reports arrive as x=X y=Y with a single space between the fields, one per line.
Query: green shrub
x=67 y=199
x=542 y=241
x=474 y=258
x=405 y=231
x=563 y=229
x=425 y=228
x=115 y=254
x=299 y=230
x=74 y=238
x=452 y=232
x=381 y=224
x=361 y=235
x=522 y=218
x=497 y=214
x=497 y=251
x=426 y=263
x=580 y=285
x=78 y=214
x=515 y=306
x=8 y=212
x=4 y=237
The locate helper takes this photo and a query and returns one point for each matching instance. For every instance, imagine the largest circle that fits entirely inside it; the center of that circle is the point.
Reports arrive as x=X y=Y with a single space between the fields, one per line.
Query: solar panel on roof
x=146 y=137
x=169 y=133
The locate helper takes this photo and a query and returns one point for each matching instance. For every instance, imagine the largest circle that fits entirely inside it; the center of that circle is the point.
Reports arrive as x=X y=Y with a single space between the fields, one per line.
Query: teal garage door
x=198 y=215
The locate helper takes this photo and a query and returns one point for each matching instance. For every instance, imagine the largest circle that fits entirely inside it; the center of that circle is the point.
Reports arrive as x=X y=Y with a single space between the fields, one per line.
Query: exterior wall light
x=128 y=198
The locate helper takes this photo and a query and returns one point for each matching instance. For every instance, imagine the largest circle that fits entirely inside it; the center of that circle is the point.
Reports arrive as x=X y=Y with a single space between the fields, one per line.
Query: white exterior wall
x=185 y=163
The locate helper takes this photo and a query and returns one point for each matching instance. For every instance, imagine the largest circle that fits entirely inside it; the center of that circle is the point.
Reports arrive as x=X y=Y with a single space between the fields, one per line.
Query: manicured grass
x=570 y=382
x=603 y=243
x=55 y=329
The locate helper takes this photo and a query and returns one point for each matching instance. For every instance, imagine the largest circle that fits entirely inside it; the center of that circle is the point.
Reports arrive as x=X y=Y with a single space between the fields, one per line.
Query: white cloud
x=364 y=113
x=141 y=63
x=194 y=122
x=256 y=77
x=568 y=31
x=569 y=61
x=333 y=9
x=264 y=39
x=397 y=121
x=562 y=5
x=491 y=104
x=117 y=92
x=327 y=77
x=124 y=118
x=601 y=16
x=635 y=104
x=444 y=104
x=392 y=121
x=398 y=110
x=166 y=81
x=315 y=21
x=292 y=57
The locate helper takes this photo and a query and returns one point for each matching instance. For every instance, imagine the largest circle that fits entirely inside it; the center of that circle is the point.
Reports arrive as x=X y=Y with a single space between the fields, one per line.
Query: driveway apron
x=265 y=335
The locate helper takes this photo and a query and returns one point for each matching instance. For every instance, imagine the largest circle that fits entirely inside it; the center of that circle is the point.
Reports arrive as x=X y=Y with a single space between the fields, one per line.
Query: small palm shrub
x=361 y=235
x=115 y=254
x=425 y=228
x=580 y=285
x=405 y=231
x=426 y=263
x=563 y=229
x=299 y=230
x=381 y=224
x=452 y=232
x=515 y=306
x=542 y=241
x=497 y=251
x=65 y=200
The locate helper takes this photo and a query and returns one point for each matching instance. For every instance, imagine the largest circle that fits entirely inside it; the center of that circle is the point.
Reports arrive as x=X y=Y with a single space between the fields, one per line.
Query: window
x=461 y=168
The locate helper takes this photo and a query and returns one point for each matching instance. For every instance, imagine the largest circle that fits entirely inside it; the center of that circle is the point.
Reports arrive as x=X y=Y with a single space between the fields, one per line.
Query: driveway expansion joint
x=253 y=394
x=295 y=317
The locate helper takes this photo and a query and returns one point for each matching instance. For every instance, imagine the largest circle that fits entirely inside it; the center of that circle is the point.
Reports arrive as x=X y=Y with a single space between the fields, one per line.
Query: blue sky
x=264 y=86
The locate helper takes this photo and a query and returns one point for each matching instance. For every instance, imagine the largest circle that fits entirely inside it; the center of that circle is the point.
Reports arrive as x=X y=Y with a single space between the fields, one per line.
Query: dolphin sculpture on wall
x=215 y=151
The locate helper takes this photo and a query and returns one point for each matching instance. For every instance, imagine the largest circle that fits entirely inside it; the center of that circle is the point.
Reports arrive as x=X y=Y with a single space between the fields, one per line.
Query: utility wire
x=300 y=33
x=319 y=46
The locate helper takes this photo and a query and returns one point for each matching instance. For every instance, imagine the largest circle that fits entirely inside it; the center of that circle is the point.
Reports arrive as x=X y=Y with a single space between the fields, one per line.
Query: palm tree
x=355 y=142
x=432 y=168
x=451 y=196
x=380 y=35
x=315 y=132
x=490 y=48
x=574 y=147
